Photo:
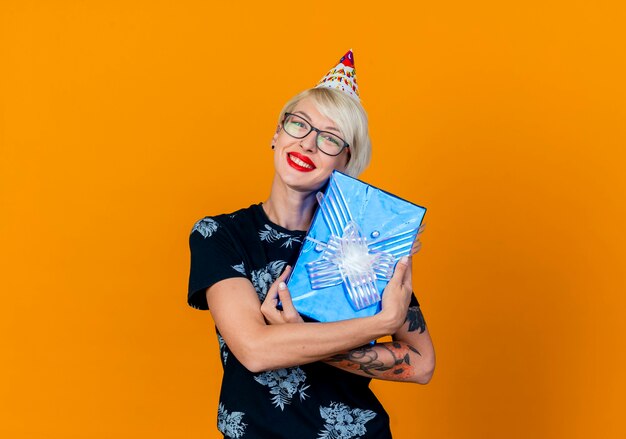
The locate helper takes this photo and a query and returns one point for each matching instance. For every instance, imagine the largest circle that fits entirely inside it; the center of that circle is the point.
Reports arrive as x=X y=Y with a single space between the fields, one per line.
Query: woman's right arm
x=260 y=346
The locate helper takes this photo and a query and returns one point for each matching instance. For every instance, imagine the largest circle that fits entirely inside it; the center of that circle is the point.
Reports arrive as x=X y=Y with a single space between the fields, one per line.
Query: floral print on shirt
x=272 y=235
x=284 y=384
x=230 y=424
x=343 y=422
x=223 y=348
x=263 y=278
x=206 y=227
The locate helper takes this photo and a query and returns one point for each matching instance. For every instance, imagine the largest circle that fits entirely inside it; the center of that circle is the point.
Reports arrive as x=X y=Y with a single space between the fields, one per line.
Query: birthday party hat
x=342 y=77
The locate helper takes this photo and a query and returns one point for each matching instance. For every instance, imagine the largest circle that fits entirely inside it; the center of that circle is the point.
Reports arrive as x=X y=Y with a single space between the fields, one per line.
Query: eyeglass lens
x=299 y=128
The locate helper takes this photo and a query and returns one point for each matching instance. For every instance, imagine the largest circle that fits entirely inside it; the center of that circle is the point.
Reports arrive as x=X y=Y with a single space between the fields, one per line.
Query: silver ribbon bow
x=349 y=258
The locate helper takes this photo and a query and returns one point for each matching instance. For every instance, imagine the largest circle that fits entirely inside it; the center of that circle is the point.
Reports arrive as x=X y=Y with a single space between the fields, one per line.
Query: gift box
x=357 y=235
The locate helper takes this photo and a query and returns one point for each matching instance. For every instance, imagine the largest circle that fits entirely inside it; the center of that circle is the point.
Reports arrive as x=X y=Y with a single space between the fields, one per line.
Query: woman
x=283 y=377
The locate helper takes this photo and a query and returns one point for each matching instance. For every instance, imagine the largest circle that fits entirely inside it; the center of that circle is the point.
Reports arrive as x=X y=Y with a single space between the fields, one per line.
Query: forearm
x=261 y=341
x=409 y=357
x=275 y=346
x=393 y=361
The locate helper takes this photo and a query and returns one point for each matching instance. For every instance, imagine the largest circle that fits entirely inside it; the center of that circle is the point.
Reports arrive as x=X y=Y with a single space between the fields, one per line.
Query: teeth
x=299 y=162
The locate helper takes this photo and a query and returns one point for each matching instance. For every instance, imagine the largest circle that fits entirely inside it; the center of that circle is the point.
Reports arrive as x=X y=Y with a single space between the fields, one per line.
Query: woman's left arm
x=409 y=357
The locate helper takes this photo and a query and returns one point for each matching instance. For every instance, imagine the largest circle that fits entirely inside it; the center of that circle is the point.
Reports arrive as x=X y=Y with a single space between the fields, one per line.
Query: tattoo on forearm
x=367 y=360
x=416 y=319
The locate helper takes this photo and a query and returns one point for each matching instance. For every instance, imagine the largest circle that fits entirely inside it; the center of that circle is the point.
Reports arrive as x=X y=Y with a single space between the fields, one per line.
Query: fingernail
x=404 y=259
x=282 y=286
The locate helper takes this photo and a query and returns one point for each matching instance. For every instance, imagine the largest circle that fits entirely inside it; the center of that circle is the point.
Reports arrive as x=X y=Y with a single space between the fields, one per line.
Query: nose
x=308 y=143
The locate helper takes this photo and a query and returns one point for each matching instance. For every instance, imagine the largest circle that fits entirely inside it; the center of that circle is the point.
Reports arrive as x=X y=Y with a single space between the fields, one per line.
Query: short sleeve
x=215 y=256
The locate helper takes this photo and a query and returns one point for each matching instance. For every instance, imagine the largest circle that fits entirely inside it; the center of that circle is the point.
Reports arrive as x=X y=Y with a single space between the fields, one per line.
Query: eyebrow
x=306 y=116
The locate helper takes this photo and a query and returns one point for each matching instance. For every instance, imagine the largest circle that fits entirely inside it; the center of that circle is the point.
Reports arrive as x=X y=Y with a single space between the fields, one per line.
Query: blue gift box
x=357 y=235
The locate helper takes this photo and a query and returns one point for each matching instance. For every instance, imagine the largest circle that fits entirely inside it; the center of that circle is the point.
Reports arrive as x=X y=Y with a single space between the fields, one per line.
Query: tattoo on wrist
x=416 y=319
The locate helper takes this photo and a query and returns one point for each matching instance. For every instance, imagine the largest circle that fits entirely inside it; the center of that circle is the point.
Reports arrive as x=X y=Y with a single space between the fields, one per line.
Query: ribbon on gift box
x=349 y=257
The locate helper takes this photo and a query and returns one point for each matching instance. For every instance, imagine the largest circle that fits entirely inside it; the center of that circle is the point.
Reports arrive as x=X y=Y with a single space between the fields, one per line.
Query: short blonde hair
x=350 y=118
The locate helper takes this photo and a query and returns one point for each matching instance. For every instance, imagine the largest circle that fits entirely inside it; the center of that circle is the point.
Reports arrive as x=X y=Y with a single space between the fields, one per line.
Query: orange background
x=124 y=122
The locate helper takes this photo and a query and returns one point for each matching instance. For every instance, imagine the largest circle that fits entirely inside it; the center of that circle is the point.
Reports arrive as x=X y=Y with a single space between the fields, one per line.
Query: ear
x=275 y=137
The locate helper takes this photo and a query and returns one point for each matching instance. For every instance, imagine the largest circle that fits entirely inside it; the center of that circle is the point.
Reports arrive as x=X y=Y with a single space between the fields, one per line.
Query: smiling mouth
x=299 y=164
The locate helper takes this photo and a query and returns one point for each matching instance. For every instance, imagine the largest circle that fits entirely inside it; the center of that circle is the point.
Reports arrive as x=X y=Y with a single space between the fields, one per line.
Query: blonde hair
x=350 y=118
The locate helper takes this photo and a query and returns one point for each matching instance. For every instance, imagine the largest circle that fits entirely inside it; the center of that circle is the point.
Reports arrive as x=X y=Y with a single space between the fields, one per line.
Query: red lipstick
x=300 y=162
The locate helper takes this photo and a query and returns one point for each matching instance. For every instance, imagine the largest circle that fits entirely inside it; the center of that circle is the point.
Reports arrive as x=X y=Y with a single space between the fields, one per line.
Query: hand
x=279 y=292
x=397 y=295
x=417 y=245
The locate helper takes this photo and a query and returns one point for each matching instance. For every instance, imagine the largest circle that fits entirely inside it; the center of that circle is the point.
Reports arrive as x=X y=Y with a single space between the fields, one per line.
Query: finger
x=272 y=316
x=272 y=293
x=407 y=278
x=283 y=276
x=271 y=298
x=398 y=273
x=286 y=272
x=289 y=311
x=281 y=281
x=417 y=245
x=268 y=307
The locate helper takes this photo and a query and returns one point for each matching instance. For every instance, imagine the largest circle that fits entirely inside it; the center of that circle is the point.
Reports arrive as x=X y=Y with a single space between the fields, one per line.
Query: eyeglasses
x=329 y=143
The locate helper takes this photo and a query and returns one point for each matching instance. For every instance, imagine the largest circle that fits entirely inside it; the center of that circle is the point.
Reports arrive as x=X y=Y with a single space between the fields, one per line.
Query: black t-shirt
x=312 y=401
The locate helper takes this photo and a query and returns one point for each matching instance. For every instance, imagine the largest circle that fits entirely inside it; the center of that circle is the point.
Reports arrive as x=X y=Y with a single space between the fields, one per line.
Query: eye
x=332 y=140
x=295 y=122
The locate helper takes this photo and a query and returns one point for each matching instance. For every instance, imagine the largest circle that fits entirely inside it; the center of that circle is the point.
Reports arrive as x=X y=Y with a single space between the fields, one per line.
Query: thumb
x=399 y=272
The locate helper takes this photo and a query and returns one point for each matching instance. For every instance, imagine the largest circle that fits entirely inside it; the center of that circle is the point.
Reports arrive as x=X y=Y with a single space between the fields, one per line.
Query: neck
x=289 y=208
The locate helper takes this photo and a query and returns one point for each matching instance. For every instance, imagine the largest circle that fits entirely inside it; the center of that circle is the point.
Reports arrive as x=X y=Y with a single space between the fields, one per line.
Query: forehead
x=310 y=110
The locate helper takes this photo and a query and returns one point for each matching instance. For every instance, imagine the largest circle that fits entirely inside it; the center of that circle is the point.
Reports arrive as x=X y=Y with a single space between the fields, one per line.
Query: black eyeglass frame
x=318 y=132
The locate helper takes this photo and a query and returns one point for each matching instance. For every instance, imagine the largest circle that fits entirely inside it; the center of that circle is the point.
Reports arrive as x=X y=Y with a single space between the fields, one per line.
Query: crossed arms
x=263 y=337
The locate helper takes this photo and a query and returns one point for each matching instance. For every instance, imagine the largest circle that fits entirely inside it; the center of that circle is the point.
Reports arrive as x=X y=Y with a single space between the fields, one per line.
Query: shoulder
x=227 y=222
x=205 y=227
